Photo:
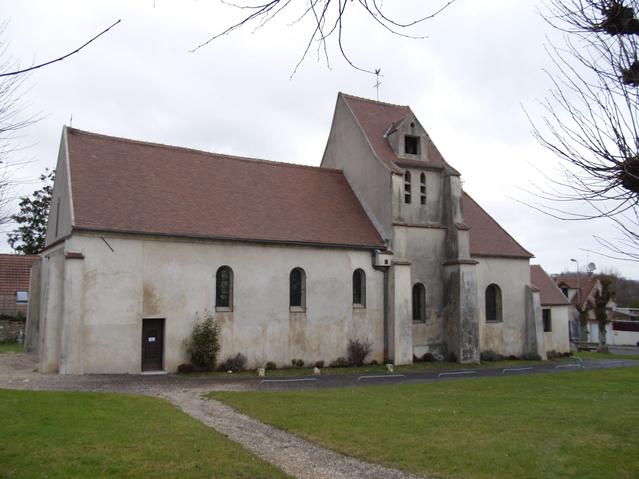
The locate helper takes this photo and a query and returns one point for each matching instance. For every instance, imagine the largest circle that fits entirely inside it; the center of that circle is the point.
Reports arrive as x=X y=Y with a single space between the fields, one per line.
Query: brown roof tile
x=487 y=238
x=549 y=293
x=131 y=186
x=14 y=273
x=376 y=118
x=586 y=282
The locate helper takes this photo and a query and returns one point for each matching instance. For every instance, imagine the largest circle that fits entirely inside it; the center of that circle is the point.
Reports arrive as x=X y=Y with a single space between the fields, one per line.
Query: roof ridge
x=497 y=223
x=195 y=150
x=376 y=102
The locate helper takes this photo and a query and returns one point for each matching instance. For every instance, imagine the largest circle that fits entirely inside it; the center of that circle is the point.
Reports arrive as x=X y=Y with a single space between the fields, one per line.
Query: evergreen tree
x=29 y=236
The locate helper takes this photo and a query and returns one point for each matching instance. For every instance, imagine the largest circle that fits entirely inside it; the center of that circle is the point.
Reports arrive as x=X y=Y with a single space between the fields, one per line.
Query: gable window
x=407 y=187
x=493 y=304
x=22 y=297
x=422 y=189
x=359 y=288
x=419 y=303
x=547 y=317
x=297 y=283
x=411 y=145
x=224 y=288
x=564 y=289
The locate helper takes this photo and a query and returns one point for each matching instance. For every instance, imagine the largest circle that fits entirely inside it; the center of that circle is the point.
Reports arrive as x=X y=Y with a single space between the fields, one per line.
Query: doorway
x=152 y=344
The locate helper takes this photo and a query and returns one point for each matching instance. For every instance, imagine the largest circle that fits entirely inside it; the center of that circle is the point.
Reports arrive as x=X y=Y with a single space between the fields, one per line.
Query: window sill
x=494 y=322
x=421 y=321
x=224 y=309
x=359 y=306
x=297 y=309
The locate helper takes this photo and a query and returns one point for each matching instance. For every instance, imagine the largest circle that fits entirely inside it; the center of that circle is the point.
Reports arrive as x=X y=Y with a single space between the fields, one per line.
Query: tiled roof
x=376 y=118
x=130 y=186
x=487 y=238
x=14 y=273
x=549 y=293
x=587 y=283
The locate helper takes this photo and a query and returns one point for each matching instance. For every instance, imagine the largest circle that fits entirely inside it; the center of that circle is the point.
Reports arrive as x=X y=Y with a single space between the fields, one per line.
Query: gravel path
x=295 y=456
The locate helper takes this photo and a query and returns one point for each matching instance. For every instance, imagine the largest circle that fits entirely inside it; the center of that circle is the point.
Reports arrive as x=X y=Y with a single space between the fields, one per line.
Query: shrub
x=319 y=364
x=552 y=354
x=451 y=357
x=512 y=357
x=416 y=359
x=340 y=363
x=374 y=363
x=531 y=357
x=567 y=354
x=491 y=355
x=297 y=363
x=270 y=365
x=235 y=363
x=428 y=357
x=205 y=342
x=358 y=351
x=186 y=368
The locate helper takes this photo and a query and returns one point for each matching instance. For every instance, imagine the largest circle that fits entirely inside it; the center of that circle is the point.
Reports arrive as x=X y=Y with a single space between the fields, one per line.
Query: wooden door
x=152 y=344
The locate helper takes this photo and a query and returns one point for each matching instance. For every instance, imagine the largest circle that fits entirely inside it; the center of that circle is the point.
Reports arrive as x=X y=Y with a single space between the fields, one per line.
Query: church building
x=379 y=244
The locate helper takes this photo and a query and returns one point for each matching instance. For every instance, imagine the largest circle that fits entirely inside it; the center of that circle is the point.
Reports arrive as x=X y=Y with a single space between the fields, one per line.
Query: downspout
x=384 y=270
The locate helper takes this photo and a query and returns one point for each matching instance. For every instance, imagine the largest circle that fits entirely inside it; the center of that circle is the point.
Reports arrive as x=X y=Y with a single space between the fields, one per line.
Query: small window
x=564 y=290
x=297 y=285
x=407 y=187
x=224 y=288
x=411 y=145
x=359 y=288
x=422 y=189
x=22 y=296
x=419 y=303
x=547 y=317
x=493 y=304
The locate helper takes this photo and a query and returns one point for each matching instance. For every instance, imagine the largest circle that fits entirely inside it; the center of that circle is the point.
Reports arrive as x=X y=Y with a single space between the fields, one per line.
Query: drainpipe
x=384 y=270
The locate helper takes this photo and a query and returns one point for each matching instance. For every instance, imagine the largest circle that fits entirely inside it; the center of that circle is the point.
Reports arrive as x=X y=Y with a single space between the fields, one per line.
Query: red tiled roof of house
x=487 y=238
x=131 y=186
x=14 y=273
x=376 y=118
x=587 y=283
x=549 y=293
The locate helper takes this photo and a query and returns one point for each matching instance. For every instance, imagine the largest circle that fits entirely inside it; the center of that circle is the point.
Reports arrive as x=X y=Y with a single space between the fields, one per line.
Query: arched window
x=359 y=287
x=493 y=303
x=297 y=282
x=407 y=187
x=422 y=189
x=224 y=288
x=419 y=303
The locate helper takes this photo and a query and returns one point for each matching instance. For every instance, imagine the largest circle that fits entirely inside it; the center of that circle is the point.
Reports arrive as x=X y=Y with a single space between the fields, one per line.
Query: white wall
x=559 y=338
x=174 y=279
x=512 y=275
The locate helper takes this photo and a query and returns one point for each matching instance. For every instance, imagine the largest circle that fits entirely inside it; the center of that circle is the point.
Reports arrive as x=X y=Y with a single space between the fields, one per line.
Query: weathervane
x=378 y=74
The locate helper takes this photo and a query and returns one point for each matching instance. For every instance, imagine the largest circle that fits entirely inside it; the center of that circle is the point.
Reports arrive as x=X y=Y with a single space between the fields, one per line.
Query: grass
x=79 y=435
x=595 y=355
x=11 y=348
x=569 y=425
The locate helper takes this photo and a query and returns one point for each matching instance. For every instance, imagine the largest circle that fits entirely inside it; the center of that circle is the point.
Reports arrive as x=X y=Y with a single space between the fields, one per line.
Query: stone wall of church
x=512 y=276
x=120 y=282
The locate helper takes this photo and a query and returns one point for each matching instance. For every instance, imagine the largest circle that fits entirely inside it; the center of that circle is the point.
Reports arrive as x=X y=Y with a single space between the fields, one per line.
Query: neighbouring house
x=624 y=328
x=14 y=294
x=378 y=243
x=556 y=311
x=580 y=290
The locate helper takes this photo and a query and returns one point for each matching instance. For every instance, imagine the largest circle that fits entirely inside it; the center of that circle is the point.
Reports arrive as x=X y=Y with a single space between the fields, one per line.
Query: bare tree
x=327 y=19
x=592 y=121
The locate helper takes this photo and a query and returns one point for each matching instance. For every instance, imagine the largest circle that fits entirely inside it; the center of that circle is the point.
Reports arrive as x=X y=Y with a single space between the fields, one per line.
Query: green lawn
x=595 y=355
x=87 y=435
x=10 y=348
x=566 y=425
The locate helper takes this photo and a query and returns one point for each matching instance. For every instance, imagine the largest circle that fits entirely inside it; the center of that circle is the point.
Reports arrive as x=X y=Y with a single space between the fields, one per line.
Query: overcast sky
x=468 y=83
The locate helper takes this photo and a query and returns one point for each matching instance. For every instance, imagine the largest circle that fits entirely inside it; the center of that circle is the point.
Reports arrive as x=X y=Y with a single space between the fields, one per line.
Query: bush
x=512 y=357
x=297 y=363
x=186 y=368
x=491 y=355
x=340 y=363
x=205 y=342
x=552 y=354
x=451 y=357
x=531 y=357
x=270 y=365
x=358 y=351
x=319 y=364
x=567 y=354
x=374 y=363
x=429 y=358
x=235 y=363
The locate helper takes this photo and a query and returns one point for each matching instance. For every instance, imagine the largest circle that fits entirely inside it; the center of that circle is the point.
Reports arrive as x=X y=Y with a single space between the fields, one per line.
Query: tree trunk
x=603 y=346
